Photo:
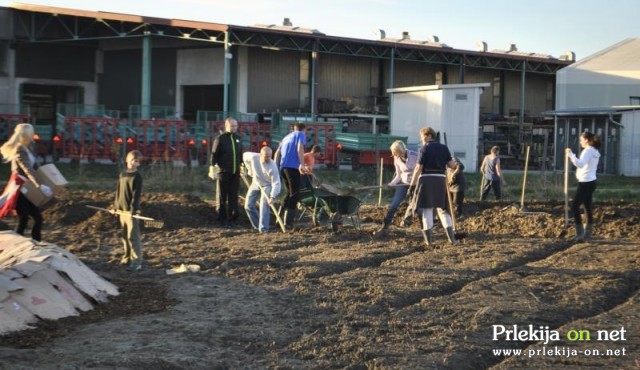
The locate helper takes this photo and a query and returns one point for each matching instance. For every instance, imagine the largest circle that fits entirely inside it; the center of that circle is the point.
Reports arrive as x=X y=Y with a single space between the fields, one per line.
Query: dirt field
x=312 y=299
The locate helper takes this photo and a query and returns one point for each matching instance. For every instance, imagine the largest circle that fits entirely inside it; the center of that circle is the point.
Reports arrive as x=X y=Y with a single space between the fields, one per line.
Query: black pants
x=458 y=200
x=229 y=184
x=584 y=195
x=25 y=208
x=291 y=178
x=487 y=185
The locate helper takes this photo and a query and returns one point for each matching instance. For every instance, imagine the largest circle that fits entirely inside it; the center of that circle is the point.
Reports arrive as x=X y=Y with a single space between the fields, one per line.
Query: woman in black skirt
x=430 y=176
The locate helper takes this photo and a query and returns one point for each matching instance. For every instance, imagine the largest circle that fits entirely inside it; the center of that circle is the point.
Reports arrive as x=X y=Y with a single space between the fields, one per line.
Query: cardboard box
x=34 y=194
x=50 y=176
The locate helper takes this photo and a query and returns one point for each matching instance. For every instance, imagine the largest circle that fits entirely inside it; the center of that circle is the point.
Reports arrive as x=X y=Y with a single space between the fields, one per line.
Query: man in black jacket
x=226 y=157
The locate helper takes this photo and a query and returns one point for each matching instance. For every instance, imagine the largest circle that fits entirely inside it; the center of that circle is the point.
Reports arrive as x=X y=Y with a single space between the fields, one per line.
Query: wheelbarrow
x=326 y=207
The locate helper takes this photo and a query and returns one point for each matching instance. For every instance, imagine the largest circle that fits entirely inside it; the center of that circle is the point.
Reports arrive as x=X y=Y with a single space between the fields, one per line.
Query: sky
x=542 y=26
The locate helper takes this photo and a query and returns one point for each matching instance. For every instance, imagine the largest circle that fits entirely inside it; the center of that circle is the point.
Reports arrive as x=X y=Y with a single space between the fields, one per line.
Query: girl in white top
x=587 y=165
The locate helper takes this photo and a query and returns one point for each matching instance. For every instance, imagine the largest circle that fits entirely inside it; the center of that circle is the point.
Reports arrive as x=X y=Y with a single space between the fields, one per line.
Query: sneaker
x=405 y=223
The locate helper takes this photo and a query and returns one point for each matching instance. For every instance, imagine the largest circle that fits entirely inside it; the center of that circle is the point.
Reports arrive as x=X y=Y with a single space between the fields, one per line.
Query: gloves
x=213 y=172
x=46 y=191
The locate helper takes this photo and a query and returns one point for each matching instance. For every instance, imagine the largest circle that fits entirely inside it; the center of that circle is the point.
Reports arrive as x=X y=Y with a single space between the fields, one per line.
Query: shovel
x=458 y=235
x=147 y=221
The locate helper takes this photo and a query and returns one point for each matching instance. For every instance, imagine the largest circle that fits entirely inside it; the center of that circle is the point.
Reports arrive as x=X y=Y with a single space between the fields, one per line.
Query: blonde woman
x=23 y=163
x=404 y=161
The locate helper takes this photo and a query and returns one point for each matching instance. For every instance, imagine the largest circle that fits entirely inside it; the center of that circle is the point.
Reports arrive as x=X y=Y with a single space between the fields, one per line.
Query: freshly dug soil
x=313 y=298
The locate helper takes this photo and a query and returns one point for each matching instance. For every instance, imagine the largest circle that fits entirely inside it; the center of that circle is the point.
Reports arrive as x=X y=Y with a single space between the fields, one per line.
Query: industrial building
x=52 y=55
x=601 y=94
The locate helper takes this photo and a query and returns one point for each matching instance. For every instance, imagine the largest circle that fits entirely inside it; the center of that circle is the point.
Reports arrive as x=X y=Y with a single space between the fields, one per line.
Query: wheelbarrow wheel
x=320 y=217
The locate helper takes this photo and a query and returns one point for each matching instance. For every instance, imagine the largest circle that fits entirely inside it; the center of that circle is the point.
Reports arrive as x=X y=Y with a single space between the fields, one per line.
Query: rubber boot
x=289 y=217
x=579 y=238
x=428 y=237
x=588 y=229
x=450 y=235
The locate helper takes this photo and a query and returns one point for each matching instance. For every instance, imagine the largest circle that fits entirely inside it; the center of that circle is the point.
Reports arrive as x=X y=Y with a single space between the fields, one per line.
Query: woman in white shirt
x=587 y=166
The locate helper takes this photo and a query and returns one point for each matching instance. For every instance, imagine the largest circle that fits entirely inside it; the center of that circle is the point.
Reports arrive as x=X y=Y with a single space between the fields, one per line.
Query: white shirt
x=587 y=164
x=265 y=174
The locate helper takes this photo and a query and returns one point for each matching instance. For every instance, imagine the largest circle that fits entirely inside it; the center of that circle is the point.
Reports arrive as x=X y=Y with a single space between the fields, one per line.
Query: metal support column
x=522 y=93
x=461 y=70
x=392 y=68
x=605 y=144
x=227 y=74
x=145 y=100
x=314 y=66
x=391 y=81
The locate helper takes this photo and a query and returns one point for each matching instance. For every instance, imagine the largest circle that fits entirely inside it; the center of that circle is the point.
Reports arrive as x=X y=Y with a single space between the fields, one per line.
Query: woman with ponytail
x=587 y=165
x=23 y=166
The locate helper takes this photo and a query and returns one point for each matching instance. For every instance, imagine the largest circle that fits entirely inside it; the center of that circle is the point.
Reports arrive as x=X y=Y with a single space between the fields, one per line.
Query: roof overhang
x=592 y=111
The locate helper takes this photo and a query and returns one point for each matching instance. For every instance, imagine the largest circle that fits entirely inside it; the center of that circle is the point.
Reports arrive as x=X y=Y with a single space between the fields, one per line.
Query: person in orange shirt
x=309 y=162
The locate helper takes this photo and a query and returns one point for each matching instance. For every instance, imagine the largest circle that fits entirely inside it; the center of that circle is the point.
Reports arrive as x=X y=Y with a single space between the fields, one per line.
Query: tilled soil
x=313 y=298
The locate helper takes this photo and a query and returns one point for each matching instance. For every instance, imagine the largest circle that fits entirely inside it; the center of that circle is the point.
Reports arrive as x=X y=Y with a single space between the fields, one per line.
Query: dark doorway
x=43 y=99
x=201 y=97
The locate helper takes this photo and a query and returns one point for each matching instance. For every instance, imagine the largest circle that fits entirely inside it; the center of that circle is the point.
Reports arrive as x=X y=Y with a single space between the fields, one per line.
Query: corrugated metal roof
x=289 y=29
x=523 y=54
x=286 y=30
x=417 y=42
x=596 y=111
x=119 y=17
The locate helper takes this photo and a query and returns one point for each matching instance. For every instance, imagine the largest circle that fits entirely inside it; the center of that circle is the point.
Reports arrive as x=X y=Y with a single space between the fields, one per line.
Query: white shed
x=453 y=110
x=610 y=77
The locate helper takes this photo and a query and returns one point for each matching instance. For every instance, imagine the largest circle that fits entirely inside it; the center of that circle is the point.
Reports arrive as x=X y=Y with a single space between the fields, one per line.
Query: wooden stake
x=566 y=190
x=380 y=191
x=524 y=180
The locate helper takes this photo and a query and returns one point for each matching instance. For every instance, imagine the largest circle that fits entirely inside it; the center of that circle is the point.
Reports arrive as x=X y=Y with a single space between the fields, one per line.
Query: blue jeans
x=259 y=221
x=398 y=197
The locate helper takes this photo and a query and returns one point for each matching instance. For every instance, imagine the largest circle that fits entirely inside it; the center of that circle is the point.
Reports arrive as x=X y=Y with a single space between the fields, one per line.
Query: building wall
x=580 y=88
x=538 y=97
x=273 y=80
x=488 y=103
x=342 y=76
x=412 y=73
x=56 y=62
x=204 y=66
x=630 y=144
x=121 y=81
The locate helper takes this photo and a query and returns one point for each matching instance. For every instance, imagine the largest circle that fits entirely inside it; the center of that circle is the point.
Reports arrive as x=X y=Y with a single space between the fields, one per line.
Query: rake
x=146 y=221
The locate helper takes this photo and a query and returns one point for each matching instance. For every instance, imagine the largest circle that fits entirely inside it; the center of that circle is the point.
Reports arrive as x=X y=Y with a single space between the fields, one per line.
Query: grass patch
x=165 y=177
